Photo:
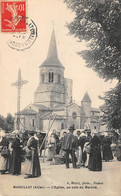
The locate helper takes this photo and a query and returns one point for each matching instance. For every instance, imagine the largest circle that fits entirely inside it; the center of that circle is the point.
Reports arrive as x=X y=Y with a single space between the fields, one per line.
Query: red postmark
x=13 y=16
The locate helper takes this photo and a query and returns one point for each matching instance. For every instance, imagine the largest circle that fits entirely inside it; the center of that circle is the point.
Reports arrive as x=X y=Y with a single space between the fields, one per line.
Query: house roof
x=95 y=110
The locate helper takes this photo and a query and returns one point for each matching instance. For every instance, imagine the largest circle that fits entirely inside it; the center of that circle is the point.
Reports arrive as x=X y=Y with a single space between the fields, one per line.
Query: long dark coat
x=16 y=157
x=81 y=141
x=107 y=153
x=69 y=142
x=95 y=160
x=33 y=165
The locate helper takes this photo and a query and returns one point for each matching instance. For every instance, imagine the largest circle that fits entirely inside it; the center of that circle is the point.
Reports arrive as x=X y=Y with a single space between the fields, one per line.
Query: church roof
x=73 y=103
x=41 y=107
x=86 y=98
x=58 y=115
x=28 y=111
x=60 y=107
x=52 y=56
x=33 y=109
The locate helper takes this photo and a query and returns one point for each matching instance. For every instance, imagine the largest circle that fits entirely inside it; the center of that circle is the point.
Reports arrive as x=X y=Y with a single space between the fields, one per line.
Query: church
x=53 y=106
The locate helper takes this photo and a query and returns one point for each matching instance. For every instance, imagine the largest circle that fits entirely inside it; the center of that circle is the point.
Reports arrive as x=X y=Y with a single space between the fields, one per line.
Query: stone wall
x=48 y=93
x=56 y=125
x=86 y=114
x=68 y=83
x=73 y=115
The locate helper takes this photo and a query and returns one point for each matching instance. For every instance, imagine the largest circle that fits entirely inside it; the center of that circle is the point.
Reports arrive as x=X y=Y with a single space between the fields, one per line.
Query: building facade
x=53 y=106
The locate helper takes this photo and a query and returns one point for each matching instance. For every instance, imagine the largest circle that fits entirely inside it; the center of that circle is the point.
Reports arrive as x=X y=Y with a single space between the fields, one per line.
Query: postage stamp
x=13 y=16
x=23 y=40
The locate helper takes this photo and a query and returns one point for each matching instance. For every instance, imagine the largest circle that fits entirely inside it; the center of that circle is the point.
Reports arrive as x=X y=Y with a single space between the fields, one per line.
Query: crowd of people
x=12 y=152
x=82 y=148
x=85 y=147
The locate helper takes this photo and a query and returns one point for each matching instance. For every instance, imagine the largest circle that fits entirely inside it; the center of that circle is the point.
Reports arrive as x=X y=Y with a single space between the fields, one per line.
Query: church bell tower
x=51 y=89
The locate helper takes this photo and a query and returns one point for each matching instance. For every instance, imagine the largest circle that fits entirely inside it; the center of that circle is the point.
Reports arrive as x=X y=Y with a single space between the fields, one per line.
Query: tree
x=9 y=123
x=112 y=108
x=98 y=22
x=2 y=122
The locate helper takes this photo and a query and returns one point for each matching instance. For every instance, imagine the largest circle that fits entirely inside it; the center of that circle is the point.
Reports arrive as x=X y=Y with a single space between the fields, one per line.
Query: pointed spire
x=52 y=56
x=52 y=52
x=86 y=97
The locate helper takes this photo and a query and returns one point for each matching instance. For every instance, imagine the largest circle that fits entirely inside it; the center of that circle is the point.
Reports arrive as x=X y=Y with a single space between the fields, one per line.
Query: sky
x=43 y=13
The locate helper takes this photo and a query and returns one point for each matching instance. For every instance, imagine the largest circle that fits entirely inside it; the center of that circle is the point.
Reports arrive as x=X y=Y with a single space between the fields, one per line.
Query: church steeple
x=51 y=89
x=52 y=56
x=86 y=97
x=52 y=52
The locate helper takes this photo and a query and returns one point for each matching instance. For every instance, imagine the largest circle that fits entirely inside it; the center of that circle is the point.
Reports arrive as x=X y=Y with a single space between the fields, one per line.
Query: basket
x=88 y=149
x=5 y=151
x=57 y=160
x=113 y=147
x=28 y=154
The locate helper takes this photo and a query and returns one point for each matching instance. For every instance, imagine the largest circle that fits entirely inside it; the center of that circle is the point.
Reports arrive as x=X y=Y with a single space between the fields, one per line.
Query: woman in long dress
x=32 y=161
x=16 y=156
x=51 y=147
x=62 y=152
x=95 y=160
x=4 y=160
x=107 y=153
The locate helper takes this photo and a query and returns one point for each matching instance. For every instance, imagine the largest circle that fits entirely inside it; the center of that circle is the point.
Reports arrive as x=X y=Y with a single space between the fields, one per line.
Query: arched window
x=51 y=77
x=62 y=125
x=59 y=78
x=74 y=115
x=33 y=122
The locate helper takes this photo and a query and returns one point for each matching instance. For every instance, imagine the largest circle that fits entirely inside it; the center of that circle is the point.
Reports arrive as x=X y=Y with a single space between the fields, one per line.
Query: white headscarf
x=83 y=134
x=105 y=134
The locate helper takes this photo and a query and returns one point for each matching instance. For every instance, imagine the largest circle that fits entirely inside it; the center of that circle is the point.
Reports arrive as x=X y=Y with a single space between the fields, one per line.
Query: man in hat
x=69 y=146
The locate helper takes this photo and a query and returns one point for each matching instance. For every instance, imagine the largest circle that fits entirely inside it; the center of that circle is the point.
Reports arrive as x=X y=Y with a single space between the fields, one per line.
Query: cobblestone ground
x=56 y=180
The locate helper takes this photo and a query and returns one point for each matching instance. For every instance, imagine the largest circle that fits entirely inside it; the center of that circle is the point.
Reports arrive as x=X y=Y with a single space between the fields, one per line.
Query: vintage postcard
x=60 y=110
